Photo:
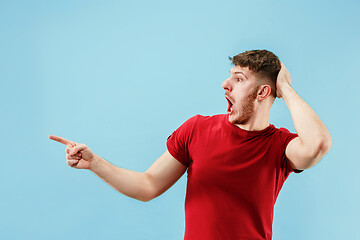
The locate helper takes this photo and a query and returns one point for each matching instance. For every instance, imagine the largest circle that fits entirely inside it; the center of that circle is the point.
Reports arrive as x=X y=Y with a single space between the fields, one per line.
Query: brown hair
x=264 y=63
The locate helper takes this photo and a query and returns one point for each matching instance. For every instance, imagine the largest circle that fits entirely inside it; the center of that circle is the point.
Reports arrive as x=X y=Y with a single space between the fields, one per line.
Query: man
x=237 y=162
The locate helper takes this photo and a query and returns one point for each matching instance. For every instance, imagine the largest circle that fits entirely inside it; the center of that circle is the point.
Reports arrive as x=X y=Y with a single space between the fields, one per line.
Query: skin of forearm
x=130 y=183
x=311 y=130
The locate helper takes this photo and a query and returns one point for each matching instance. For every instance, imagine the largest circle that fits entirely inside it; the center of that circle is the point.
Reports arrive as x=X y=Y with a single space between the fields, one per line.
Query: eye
x=239 y=80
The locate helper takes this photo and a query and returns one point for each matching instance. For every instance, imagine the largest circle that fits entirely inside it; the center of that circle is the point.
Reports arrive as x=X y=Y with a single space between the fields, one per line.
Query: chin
x=233 y=119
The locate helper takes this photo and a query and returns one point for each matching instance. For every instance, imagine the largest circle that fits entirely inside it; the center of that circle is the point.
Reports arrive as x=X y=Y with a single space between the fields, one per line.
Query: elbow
x=140 y=197
x=325 y=145
x=148 y=199
x=145 y=199
x=322 y=147
x=312 y=154
x=147 y=189
x=151 y=190
x=319 y=152
x=142 y=190
x=148 y=196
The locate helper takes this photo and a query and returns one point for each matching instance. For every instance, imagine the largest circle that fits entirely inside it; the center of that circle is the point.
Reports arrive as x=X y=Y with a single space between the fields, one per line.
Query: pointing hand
x=78 y=155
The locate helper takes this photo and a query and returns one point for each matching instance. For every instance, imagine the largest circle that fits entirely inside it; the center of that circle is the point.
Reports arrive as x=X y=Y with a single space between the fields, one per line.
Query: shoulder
x=284 y=136
x=283 y=132
x=290 y=147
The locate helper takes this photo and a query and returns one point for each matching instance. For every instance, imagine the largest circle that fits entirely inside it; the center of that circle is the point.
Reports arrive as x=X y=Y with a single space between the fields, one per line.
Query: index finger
x=62 y=140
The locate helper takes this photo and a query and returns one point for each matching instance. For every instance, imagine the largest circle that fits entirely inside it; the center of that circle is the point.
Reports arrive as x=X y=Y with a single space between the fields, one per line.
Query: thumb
x=77 y=148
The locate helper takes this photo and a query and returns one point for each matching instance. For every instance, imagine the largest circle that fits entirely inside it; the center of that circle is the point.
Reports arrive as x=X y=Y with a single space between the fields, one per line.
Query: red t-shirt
x=233 y=178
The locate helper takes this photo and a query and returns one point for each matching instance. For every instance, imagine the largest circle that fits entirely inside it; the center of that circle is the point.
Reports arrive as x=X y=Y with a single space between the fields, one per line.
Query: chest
x=223 y=159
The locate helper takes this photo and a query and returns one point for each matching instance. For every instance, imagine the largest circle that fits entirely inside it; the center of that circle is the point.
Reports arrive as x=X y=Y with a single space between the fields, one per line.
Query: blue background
x=121 y=76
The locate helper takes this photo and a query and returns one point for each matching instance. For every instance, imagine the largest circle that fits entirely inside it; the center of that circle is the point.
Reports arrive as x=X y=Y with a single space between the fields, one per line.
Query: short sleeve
x=178 y=142
x=286 y=137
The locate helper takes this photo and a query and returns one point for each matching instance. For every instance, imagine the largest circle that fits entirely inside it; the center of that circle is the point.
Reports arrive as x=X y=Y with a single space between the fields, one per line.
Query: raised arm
x=314 y=139
x=164 y=172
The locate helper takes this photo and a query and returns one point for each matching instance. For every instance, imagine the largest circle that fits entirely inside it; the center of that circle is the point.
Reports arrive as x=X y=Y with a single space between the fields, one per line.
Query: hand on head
x=283 y=80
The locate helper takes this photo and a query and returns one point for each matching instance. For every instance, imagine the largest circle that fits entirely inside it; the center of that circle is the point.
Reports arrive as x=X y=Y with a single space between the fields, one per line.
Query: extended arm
x=314 y=139
x=163 y=173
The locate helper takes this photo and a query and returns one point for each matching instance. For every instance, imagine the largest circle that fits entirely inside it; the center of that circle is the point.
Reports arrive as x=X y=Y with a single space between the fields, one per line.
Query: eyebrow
x=240 y=73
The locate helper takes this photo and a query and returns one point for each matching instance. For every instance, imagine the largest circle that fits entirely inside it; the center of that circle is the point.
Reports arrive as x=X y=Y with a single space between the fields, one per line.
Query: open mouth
x=230 y=104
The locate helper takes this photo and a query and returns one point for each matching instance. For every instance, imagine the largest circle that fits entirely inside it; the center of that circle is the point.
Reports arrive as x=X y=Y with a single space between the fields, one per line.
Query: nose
x=226 y=85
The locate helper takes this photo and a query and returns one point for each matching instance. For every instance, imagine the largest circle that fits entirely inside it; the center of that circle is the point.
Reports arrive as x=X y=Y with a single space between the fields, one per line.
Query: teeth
x=228 y=99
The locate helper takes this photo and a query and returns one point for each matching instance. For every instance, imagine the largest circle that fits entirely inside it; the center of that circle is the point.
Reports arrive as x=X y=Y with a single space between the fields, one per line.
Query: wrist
x=95 y=163
x=285 y=90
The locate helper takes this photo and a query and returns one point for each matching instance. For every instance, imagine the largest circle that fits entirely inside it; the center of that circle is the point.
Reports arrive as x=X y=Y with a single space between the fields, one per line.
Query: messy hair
x=265 y=64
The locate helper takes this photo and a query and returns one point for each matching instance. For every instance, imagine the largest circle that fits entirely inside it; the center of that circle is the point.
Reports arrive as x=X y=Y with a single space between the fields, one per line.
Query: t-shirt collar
x=244 y=132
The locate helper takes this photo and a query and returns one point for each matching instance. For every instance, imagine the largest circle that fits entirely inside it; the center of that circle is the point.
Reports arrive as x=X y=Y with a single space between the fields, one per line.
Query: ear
x=263 y=92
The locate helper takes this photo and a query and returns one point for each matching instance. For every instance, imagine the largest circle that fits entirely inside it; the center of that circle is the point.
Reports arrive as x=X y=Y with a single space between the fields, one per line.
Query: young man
x=236 y=162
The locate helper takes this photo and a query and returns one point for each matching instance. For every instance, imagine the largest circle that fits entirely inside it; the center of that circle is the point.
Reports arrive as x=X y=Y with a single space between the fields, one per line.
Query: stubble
x=247 y=107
